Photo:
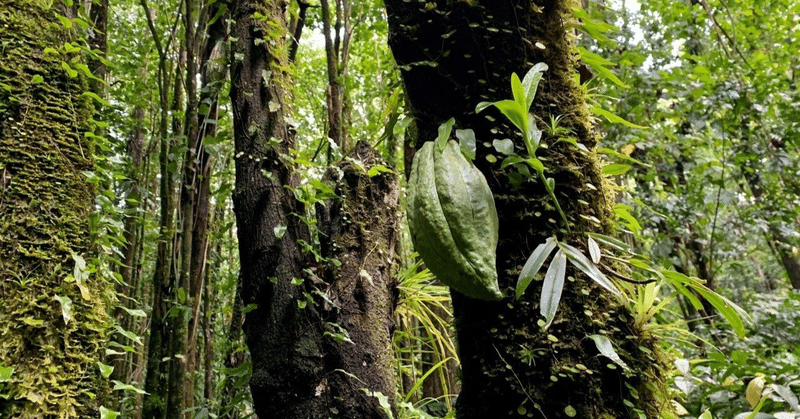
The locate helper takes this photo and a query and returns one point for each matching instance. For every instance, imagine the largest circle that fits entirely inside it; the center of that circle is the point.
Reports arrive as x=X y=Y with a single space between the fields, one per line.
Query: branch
x=298 y=29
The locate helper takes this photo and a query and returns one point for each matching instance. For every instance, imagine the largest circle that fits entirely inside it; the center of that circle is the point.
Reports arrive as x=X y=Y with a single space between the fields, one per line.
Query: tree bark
x=53 y=318
x=303 y=304
x=454 y=55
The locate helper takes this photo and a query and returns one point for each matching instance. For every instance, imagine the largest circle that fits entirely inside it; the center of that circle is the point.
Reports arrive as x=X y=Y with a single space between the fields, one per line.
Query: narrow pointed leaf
x=518 y=91
x=730 y=311
x=531 y=82
x=611 y=241
x=534 y=263
x=552 y=287
x=594 y=250
x=482 y=106
x=586 y=266
x=607 y=349
x=788 y=396
x=444 y=133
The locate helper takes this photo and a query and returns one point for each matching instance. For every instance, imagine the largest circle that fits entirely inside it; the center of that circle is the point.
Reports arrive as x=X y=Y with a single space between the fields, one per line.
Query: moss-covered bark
x=455 y=54
x=44 y=221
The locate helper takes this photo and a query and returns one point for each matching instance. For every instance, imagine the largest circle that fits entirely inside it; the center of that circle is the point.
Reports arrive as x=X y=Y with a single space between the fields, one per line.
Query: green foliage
x=422 y=342
x=736 y=377
x=518 y=112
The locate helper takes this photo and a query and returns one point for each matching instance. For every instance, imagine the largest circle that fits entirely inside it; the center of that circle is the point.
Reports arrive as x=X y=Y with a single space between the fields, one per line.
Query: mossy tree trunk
x=454 y=55
x=52 y=327
x=304 y=306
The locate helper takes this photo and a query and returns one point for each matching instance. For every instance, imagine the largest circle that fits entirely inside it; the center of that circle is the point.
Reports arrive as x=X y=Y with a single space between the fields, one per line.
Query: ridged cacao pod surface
x=453 y=220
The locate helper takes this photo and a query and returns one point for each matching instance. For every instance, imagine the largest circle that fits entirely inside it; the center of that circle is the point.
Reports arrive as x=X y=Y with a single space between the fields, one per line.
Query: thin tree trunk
x=453 y=57
x=155 y=404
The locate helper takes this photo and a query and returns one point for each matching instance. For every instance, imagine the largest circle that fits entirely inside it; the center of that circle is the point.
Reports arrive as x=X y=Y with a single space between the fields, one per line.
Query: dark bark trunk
x=53 y=329
x=454 y=55
x=297 y=362
x=297 y=28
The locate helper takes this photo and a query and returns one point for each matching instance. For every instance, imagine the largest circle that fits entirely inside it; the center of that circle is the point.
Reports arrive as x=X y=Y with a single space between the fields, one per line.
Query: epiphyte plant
x=517 y=111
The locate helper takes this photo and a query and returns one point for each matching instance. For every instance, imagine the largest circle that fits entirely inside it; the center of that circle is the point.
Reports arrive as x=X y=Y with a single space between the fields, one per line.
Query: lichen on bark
x=45 y=205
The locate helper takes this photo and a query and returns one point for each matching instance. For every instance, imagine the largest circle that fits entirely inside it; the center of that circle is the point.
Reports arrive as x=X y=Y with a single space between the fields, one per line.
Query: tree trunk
x=302 y=306
x=53 y=319
x=454 y=55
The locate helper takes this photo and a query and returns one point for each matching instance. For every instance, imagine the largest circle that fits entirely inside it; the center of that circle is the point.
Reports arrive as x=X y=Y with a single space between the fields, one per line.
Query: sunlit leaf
x=605 y=347
x=552 y=287
x=534 y=263
x=444 y=133
x=586 y=266
x=466 y=139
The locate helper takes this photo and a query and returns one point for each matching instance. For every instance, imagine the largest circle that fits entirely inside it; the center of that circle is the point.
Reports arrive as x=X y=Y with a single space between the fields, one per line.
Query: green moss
x=44 y=219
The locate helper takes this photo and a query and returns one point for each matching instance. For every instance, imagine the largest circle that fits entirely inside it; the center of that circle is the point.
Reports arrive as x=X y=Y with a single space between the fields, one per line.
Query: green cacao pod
x=453 y=220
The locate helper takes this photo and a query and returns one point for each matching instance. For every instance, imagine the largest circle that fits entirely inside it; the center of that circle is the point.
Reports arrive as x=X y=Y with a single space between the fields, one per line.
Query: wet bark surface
x=302 y=305
x=454 y=55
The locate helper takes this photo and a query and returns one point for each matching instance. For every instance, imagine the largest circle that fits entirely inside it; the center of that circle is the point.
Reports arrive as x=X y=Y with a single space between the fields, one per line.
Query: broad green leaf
x=108 y=414
x=118 y=385
x=6 y=373
x=377 y=169
x=622 y=212
x=534 y=263
x=134 y=312
x=552 y=287
x=536 y=164
x=615 y=169
x=511 y=160
x=105 y=370
x=504 y=146
x=533 y=137
x=530 y=83
x=444 y=133
x=611 y=117
x=128 y=334
x=787 y=395
x=383 y=401
x=605 y=347
x=482 y=106
x=66 y=307
x=36 y=79
x=706 y=415
x=586 y=266
x=466 y=139
x=514 y=112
